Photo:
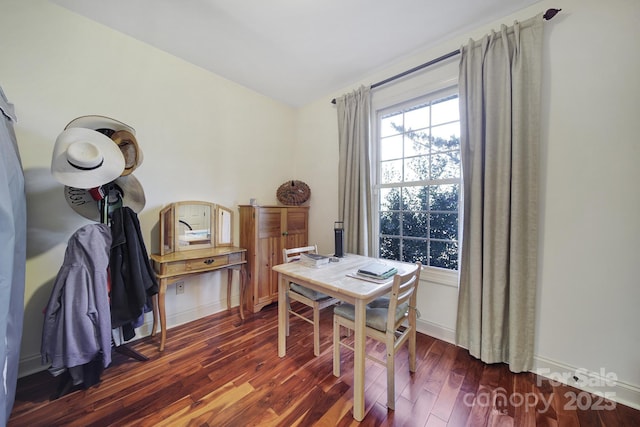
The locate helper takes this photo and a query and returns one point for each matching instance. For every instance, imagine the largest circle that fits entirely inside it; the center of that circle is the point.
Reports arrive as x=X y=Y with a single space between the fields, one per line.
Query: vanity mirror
x=192 y=225
x=224 y=226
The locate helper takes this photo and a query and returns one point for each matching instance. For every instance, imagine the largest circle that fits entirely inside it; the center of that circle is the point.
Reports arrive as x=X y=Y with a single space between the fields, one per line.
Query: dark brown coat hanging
x=293 y=193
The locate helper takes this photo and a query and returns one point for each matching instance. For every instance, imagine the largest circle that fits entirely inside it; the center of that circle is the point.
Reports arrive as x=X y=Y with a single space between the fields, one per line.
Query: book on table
x=377 y=270
x=313 y=260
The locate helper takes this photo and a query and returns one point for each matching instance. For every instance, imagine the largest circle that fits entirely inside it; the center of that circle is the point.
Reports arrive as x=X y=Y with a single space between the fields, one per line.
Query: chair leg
x=336 y=347
x=412 y=350
x=316 y=330
x=391 y=383
x=286 y=320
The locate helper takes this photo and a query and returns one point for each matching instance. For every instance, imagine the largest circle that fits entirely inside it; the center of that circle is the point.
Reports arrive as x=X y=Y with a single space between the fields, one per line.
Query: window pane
x=391 y=148
x=446 y=137
x=391 y=125
x=444 y=255
x=445 y=111
x=415 y=198
x=443 y=226
x=416 y=168
x=445 y=165
x=415 y=250
x=390 y=223
x=389 y=199
x=389 y=248
x=416 y=143
x=391 y=171
x=417 y=118
x=444 y=197
x=415 y=224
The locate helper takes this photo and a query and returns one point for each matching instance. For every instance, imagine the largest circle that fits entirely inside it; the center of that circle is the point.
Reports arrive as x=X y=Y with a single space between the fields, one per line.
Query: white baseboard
x=601 y=383
x=30 y=365
x=436 y=330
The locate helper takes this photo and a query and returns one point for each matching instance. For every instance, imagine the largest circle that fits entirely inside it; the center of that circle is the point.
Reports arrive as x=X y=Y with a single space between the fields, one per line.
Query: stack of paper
x=377 y=270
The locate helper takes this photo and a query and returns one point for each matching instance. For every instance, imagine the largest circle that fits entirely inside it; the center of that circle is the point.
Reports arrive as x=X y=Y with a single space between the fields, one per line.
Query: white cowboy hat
x=124 y=191
x=121 y=133
x=84 y=158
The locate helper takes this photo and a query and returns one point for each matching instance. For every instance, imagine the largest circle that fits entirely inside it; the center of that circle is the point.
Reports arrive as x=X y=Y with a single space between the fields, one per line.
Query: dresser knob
x=209 y=261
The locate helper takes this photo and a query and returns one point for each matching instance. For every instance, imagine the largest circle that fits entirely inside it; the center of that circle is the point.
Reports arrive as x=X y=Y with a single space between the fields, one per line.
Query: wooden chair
x=384 y=323
x=316 y=300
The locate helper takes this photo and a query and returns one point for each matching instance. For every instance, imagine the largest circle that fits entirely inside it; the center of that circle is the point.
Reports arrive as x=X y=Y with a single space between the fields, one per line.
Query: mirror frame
x=220 y=226
x=224 y=226
x=167 y=229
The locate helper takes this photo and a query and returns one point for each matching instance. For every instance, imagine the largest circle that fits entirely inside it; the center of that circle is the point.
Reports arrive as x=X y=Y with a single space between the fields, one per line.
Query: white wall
x=203 y=138
x=588 y=285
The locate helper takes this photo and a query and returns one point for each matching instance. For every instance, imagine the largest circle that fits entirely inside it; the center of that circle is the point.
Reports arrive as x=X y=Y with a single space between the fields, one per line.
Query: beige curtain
x=354 y=174
x=500 y=130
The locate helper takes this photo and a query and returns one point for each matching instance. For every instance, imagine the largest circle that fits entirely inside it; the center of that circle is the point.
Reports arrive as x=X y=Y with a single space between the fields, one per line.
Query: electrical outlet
x=179 y=288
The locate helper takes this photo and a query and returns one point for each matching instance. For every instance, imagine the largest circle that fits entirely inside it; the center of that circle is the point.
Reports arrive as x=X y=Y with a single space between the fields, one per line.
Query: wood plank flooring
x=220 y=371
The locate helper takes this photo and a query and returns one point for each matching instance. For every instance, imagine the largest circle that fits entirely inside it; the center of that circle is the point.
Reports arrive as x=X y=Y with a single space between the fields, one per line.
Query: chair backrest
x=404 y=290
x=293 y=254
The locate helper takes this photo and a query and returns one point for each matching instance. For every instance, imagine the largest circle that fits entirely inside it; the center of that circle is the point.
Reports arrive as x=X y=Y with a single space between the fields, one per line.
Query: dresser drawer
x=206 y=263
x=192 y=265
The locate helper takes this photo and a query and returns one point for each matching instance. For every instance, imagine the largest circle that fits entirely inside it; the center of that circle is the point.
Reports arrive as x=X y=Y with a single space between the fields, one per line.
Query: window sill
x=440 y=276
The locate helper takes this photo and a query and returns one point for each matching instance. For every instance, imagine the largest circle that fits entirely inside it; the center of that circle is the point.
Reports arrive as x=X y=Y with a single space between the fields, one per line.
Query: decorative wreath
x=293 y=193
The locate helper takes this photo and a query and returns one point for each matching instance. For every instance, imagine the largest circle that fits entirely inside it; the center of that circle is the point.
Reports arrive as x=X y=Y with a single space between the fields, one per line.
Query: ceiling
x=294 y=51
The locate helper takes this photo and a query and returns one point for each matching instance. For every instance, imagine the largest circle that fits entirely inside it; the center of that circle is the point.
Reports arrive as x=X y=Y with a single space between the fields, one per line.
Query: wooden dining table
x=336 y=279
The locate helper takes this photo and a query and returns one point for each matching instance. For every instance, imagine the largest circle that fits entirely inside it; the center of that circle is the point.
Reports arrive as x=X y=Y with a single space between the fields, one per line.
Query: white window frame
x=394 y=99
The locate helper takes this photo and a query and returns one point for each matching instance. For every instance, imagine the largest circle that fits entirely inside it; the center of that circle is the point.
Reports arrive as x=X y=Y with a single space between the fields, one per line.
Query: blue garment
x=77 y=323
x=13 y=244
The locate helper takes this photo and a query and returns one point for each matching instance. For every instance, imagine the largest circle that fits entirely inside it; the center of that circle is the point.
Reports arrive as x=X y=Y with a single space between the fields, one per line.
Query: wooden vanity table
x=175 y=266
x=195 y=238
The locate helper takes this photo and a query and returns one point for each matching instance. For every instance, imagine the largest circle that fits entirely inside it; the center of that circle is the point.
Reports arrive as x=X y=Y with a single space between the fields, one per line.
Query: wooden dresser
x=264 y=232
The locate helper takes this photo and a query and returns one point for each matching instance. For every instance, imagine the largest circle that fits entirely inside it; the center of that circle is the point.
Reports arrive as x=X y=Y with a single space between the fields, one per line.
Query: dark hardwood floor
x=220 y=371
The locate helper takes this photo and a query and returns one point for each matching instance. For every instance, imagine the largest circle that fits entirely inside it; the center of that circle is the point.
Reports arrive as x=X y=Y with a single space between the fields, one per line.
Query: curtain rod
x=550 y=13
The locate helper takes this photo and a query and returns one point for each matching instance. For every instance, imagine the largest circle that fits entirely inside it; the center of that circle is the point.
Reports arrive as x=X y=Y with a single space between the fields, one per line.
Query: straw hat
x=128 y=145
x=84 y=158
x=123 y=191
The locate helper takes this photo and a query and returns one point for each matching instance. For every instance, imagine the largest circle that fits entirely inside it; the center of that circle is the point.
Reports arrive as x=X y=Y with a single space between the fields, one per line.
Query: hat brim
x=63 y=171
x=130 y=192
x=99 y=122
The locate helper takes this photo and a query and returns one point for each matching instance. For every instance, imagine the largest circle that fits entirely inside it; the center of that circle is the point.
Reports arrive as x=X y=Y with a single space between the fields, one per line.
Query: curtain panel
x=355 y=171
x=500 y=85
